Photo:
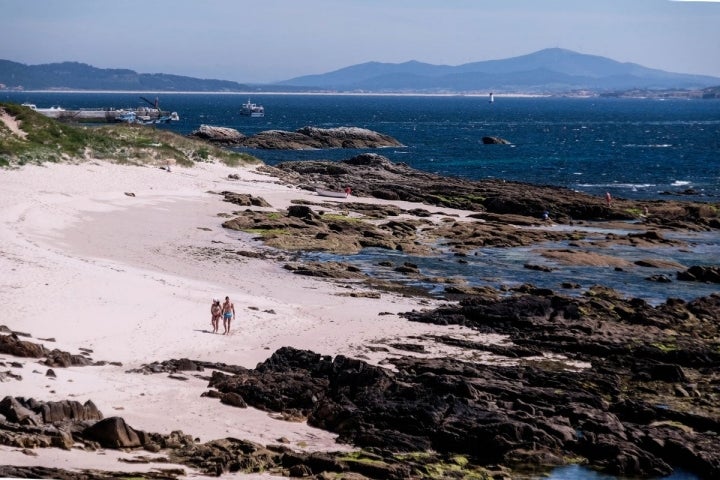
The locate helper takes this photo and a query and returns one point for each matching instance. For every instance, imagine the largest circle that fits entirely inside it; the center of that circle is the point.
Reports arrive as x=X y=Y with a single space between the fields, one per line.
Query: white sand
x=88 y=266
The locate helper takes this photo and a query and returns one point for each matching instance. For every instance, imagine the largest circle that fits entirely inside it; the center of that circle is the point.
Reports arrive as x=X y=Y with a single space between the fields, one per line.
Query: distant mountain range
x=552 y=70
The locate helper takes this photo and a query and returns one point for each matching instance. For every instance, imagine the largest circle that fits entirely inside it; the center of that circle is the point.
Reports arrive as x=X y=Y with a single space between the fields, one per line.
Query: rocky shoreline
x=646 y=402
x=596 y=379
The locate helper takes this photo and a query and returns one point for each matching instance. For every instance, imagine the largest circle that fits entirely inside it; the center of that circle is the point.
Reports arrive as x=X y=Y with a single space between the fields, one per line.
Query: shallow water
x=576 y=472
x=505 y=267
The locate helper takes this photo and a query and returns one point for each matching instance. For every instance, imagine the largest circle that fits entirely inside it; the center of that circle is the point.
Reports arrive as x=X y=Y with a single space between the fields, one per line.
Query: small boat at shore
x=250 y=109
x=133 y=117
x=331 y=193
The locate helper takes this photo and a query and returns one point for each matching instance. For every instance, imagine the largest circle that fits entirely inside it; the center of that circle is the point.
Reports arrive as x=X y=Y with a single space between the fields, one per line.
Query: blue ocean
x=633 y=148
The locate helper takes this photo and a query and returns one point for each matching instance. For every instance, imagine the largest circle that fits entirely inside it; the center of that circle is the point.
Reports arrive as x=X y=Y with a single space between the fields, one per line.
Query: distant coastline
x=651 y=94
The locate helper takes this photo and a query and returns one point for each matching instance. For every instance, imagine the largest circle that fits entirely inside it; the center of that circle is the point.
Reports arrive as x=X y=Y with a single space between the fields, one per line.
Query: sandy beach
x=123 y=261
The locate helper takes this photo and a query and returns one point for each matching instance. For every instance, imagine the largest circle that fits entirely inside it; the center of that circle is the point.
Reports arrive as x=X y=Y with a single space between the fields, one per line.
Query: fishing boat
x=250 y=109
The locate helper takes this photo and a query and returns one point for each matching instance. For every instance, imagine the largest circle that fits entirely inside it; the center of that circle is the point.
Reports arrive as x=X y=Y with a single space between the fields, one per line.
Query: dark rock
x=113 y=432
x=70 y=410
x=244 y=199
x=659 y=278
x=539 y=268
x=299 y=471
x=233 y=399
x=494 y=141
x=301 y=211
x=12 y=345
x=15 y=411
x=58 y=358
x=700 y=274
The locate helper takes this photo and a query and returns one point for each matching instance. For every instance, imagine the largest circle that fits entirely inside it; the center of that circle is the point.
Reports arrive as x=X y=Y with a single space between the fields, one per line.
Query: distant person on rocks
x=546 y=215
x=348 y=191
x=216 y=313
x=228 y=312
x=608 y=199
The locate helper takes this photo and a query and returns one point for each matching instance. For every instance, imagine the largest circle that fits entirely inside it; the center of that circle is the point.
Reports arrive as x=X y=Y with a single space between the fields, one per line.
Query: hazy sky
x=269 y=40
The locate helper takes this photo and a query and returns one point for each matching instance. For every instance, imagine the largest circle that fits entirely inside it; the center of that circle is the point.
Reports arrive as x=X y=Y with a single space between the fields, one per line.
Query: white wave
x=634 y=186
x=680 y=183
x=650 y=145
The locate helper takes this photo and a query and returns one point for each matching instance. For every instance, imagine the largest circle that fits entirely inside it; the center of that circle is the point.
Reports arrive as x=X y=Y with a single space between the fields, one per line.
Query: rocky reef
x=372 y=175
x=641 y=401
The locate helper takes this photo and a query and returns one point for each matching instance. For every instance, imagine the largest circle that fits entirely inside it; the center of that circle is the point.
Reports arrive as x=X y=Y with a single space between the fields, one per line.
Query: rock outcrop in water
x=302 y=139
x=494 y=141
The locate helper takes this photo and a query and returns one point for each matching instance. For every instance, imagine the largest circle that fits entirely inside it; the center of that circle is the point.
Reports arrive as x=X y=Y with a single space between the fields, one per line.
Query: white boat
x=250 y=109
x=331 y=193
x=53 y=112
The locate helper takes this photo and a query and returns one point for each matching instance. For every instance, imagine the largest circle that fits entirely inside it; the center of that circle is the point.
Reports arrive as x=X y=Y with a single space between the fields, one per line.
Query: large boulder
x=219 y=135
x=69 y=410
x=12 y=345
x=699 y=273
x=14 y=410
x=113 y=432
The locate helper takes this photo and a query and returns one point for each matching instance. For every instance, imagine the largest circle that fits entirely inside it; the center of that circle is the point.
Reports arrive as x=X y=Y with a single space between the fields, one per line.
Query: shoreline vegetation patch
x=27 y=137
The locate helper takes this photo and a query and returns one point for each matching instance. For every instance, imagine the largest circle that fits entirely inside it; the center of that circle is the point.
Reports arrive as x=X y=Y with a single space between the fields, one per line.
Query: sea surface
x=632 y=148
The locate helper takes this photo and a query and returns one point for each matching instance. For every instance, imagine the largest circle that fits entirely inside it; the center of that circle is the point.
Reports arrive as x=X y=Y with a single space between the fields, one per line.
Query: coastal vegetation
x=27 y=137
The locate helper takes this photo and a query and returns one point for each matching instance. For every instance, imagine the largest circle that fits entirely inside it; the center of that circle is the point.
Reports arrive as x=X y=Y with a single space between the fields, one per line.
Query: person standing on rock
x=228 y=311
x=608 y=199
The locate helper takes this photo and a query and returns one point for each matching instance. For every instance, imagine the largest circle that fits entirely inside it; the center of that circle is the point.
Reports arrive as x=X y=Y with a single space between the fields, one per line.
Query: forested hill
x=80 y=76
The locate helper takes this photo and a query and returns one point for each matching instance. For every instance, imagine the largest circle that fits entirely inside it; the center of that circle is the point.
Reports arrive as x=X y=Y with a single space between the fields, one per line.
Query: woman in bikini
x=228 y=310
x=216 y=313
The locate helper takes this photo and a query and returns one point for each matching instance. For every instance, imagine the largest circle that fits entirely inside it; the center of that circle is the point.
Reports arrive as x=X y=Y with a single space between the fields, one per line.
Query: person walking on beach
x=608 y=199
x=216 y=313
x=228 y=311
